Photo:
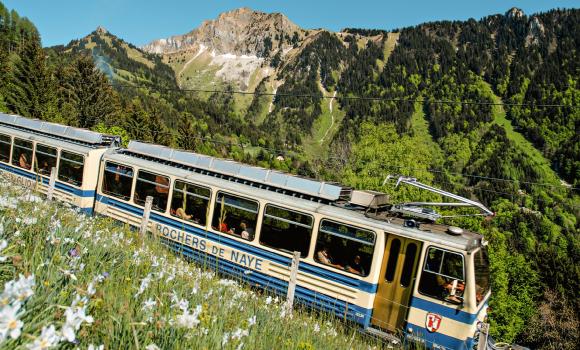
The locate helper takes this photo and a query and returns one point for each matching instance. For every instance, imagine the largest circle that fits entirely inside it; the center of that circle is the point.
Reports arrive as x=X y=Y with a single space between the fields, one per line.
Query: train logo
x=432 y=322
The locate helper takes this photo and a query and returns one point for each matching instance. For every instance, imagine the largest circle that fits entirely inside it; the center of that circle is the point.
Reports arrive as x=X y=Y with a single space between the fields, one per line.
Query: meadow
x=72 y=281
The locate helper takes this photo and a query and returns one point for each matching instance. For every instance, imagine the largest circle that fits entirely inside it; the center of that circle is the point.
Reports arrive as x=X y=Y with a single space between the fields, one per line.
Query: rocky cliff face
x=238 y=32
x=240 y=47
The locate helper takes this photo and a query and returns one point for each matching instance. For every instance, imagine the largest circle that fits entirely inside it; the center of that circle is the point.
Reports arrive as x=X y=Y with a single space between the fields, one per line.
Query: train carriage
x=426 y=282
x=30 y=148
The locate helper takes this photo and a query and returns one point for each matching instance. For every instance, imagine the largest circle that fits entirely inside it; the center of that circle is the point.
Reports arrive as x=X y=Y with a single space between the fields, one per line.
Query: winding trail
x=201 y=50
x=331 y=116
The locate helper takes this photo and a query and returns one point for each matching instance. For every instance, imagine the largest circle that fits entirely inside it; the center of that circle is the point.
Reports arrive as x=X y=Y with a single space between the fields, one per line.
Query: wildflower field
x=72 y=281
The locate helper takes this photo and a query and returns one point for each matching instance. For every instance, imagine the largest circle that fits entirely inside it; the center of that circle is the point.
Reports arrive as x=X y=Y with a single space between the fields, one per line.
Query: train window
x=117 y=180
x=345 y=247
x=5 y=144
x=190 y=202
x=443 y=275
x=393 y=259
x=235 y=215
x=22 y=154
x=408 y=265
x=45 y=159
x=481 y=267
x=71 y=168
x=156 y=186
x=286 y=230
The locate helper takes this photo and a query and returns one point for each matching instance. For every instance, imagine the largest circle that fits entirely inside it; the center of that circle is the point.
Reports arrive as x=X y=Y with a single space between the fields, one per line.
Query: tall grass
x=97 y=283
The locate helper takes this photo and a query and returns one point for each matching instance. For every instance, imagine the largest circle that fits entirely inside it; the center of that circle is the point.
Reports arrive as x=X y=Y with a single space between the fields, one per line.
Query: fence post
x=292 y=282
x=483 y=332
x=51 y=183
x=146 y=213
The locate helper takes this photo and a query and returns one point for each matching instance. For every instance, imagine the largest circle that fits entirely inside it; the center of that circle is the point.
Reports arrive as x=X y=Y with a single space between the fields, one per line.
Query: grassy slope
x=499 y=118
x=316 y=144
x=66 y=251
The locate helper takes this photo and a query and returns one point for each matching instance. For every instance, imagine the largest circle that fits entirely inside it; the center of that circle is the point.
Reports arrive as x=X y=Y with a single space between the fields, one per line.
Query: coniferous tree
x=87 y=94
x=31 y=91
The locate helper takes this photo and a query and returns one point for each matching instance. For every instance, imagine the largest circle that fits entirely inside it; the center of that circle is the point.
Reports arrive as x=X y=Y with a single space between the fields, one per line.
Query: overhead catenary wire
x=345 y=97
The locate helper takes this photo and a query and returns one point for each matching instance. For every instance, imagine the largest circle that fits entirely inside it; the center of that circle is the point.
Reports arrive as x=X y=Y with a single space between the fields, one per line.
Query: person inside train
x=246 y=232
x=323 y=256
x=23 y=161
x=355 y=266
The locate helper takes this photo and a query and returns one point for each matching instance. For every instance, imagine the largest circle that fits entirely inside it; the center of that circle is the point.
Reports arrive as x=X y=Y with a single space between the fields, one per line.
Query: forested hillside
x=486 y=108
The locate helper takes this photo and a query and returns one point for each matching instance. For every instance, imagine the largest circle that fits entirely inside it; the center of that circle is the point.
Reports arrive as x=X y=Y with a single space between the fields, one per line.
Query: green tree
x=87 y=95
x=31 y=91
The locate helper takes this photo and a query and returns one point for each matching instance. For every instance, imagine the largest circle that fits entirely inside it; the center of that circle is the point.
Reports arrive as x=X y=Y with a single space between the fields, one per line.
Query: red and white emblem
x=432 y=322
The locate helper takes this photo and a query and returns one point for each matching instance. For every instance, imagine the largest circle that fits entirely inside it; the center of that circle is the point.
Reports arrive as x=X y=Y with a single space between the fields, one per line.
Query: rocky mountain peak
x=515 y=12
x=101 y=30
x=241 y=31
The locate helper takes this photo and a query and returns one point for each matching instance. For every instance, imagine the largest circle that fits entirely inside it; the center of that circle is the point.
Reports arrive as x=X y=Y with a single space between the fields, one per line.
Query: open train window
x=5 y=145
x=190 y=202
x=286 y=230
x=117 y=180
x=235 y=215
x=345 y=247
x=71 y=168
x=443 y=275
x=154 y=185
x=45 y=159
x=481 y=267
x=22 y=154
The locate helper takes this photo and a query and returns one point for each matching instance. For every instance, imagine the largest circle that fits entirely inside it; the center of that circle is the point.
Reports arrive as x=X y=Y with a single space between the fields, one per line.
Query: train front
x=450 y=302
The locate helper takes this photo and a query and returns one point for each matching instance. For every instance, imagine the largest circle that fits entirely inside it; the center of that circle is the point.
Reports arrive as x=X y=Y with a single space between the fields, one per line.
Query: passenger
x=23 y=161
x=355 y=266
x=247 y=232
x=223 y=227
x=180 y=212
x=323 y=256
x=452 y=289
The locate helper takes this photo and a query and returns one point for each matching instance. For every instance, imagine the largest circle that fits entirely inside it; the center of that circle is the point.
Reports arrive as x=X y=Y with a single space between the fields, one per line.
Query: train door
x=398 y=272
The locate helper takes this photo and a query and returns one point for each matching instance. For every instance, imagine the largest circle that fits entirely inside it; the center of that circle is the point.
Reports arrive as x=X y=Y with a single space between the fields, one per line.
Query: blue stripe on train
x=438 y=340
x=264 y=254
x=58 y=185
x=303 y=295
x=444 y=311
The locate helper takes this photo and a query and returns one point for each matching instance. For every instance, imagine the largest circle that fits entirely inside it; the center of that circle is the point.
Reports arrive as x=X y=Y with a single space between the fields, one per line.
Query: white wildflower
x=91 y=290
x=152 y=346
x=69 y=274
x=75 y=316
x=149 y=304
x=252 y=321
x=95 y=347
x=17 y=290
x=3 y=245
x=30 y=221
x=239 y=334
x=10 y=325
x=316 y=328
x=188 y=320
x=48 y=338
x=268 y=300
x=144 y=285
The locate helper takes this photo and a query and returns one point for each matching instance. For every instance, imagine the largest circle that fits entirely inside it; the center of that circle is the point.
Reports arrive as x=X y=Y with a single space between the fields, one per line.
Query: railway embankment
x=74 y=281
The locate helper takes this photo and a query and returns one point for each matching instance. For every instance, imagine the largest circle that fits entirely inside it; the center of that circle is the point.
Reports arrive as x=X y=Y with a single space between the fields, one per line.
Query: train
x=362 y=258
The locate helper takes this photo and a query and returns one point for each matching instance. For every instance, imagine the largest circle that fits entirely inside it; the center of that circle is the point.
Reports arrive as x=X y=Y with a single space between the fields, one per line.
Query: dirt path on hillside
x=331 y=116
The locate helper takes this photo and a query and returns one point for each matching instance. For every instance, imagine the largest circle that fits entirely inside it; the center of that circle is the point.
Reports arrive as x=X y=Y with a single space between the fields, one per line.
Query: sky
x=141 y=21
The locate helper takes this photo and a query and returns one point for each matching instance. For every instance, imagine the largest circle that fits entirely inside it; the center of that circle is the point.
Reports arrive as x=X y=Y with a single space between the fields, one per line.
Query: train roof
x=69 y=134
x=435 y=233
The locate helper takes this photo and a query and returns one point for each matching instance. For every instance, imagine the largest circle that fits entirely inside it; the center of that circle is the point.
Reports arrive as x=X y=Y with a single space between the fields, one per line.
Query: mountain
x=486 y=108
x=236 y=48
x=120 y=61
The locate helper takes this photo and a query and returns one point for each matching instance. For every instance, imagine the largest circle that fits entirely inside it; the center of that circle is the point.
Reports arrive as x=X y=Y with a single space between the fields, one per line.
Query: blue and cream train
x=419 y=281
